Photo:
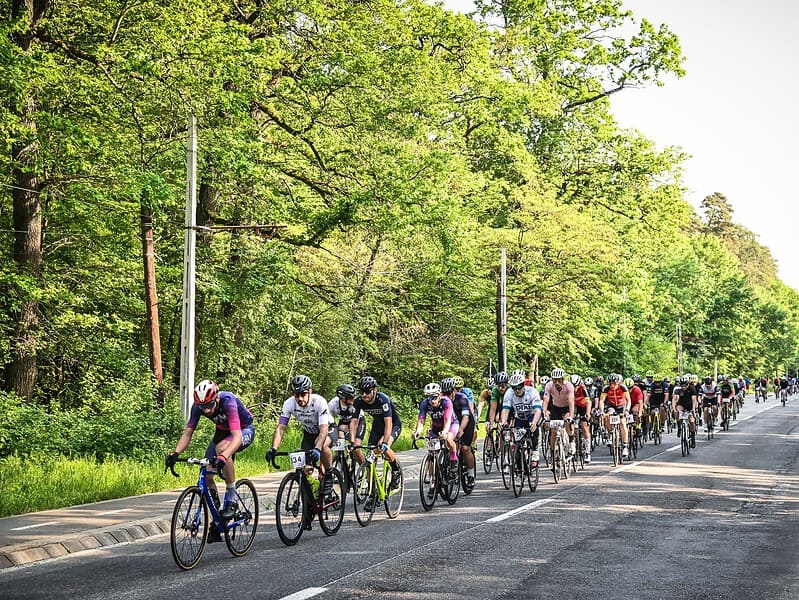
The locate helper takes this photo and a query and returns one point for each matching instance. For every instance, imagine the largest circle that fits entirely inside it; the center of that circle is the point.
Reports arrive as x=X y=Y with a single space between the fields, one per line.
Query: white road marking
x=516 y=511
x=306 y=593
x=33 y=526
x=113 y=512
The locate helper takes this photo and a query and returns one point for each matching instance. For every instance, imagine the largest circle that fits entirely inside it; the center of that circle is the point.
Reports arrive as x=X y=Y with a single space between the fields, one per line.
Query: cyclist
x=559 y=404
x=615 y=399
x=784 y=385
x=463 y=415
x=316 y=421
x=709 y=392
x=342 y=410
x=485 y=396
x=658 y=398
x=582 y=406
x=234 y=432
x=636 y=400
x=443 y=423
x=386 y=424
x=524 y=404
x=542 y=383
x=727 y=389
x=684 y=400
x=497 y=394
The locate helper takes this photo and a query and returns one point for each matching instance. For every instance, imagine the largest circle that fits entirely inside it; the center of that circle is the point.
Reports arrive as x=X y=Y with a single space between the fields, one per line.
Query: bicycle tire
x=453 y=484
x=331 y=507
x=464 y=473
x=556 y=462
x=394 y=495
x=532 y=469
x=428 y=486
x=291 y=509
x=505 y=462
x=489 y=450
x=564 y=458
x=363 y=494
x=340 y=464
x=517 y=472
x=188 y=529
x=240 y=537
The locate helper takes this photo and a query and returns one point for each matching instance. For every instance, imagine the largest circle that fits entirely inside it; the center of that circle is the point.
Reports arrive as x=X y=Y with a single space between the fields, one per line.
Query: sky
x=733 y=112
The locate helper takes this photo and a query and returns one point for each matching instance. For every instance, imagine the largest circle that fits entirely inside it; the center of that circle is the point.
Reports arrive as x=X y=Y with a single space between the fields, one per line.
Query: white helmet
x=432 y=389
x=589 y=381
x=516 y=379
x=544 y=379
x=205 y=393
x=575 y=379
x=558 y=373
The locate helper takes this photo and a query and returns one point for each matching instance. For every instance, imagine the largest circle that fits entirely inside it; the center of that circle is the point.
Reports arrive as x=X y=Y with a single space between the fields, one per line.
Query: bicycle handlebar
x=203 y=462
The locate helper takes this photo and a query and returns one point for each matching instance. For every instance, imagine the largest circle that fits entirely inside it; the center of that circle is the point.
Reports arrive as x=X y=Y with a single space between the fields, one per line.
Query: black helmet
x=501 y=378
x=301 y=383
x=447 y=385
x=345 y=390
x=367 y=383
x=707 y=380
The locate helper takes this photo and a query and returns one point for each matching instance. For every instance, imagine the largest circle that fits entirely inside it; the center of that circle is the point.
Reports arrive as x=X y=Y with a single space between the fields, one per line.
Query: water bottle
x=313 y=480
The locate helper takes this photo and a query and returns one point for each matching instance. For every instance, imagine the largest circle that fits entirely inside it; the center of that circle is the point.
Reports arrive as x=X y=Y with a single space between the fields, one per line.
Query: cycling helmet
x=458 y=381
x=708 y=380
x=600 y=379
x=345 y=390
x=367 y=384
x=614 y=378
x=501 y=378
x=637 y=378
x=544 y=379
x=558 y=373
x=650 y=373
x=300 y=384
x=628 y=382
x=589 y=381
x=658 y=377
x=432 y=389
x=519 y=372
x=490 y=382
x=205 y=393
x=575 y=379
x=516 y=380
x=447 y=385
x=694 y=378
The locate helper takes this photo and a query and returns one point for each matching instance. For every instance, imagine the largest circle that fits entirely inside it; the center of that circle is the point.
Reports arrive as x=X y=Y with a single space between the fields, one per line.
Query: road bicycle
x=523 y=467
x=559 y=450
x=783 y=395
x=614 y=438
x=491 y=448
x=655 y=433
x=304 y=494
x=343 y=461
x=467 y=480
x=372 y=486
x=684 y=432
x=436 y=477
x=710 y=425
x=188 y=531
x=635 y=438
x=726 y=412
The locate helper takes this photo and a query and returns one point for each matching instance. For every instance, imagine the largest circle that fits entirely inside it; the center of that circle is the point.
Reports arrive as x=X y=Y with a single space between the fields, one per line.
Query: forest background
x=361 y=166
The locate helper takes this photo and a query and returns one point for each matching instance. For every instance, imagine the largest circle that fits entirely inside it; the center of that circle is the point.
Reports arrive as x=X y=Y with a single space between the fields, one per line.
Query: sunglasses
x=518 y=387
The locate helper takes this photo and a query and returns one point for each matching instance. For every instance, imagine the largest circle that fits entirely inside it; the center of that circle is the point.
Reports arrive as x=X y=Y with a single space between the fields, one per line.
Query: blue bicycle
x=188 y=533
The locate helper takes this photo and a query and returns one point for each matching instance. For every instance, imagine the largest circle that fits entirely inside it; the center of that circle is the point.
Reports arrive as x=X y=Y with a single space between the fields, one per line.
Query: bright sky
x=733 y=111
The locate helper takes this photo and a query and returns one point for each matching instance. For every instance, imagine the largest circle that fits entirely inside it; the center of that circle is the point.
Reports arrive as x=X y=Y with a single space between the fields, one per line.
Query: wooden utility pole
x=151 y=299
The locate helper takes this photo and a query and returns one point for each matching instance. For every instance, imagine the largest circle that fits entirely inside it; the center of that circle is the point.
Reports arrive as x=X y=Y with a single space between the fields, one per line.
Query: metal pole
x=189 y=247
x=504 y=311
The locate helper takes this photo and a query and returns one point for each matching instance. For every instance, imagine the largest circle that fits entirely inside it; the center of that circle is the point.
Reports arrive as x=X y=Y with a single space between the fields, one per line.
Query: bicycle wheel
x=684 y=448
x=581 y=449
x=505 y=465
x=657 y=437
x=555 y=462
x=340 y=464
x=489 y=451
x=517 y=472
x=632 y=435
x=394 y=495
x=427 y=482
x=189 y=528
x=291 y=510
x=363 y=495
x=452 y=485
x=531 y=468
x=466 y=485
x=332 y=504
x=564 y=458
x=240 y=533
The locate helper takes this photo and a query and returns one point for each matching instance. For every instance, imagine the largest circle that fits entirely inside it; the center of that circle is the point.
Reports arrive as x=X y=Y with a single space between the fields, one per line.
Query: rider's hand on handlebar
x=170 y=460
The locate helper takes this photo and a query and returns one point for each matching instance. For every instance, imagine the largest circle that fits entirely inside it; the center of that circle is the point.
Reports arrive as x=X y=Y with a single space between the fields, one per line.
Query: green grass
x=32 y=484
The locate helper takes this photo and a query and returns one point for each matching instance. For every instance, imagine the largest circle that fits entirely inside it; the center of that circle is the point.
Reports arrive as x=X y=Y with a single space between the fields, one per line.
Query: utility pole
x=679 y=348
x=502 y=314
x=189 y=248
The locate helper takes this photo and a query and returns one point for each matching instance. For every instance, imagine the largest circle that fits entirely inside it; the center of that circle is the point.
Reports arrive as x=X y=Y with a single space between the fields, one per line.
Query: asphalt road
x=718 y=524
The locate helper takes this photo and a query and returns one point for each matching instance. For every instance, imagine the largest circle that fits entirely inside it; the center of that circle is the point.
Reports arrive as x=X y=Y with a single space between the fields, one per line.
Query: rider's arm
x=184 y=440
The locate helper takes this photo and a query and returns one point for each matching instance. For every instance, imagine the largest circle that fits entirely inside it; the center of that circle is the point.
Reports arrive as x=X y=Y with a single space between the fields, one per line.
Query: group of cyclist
x=512 y=400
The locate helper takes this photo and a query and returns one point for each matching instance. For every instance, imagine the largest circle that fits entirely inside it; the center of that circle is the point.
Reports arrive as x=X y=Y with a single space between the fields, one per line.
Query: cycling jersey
x=614 y=396
x=342 y=411
x=461 y=407
x=657 y=393
x=230 y=414
x=581 y=398
x=311 y=417
x=380 y=409
x=726 y=390
x=440 y=415
x=559 y=397
x=636 y=395
x=524 y=406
